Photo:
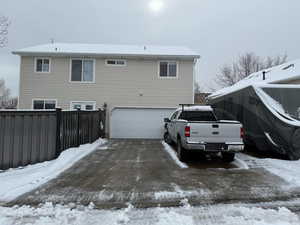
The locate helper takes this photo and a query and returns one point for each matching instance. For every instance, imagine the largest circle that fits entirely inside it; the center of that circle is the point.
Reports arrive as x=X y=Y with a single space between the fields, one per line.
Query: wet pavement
x=142 y=173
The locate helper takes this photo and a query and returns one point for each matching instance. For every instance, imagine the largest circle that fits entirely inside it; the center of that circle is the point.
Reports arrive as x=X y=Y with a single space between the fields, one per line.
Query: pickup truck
x=196 y=128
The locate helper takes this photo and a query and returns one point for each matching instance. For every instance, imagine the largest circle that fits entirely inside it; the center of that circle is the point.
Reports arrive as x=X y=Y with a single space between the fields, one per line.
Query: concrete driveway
x=142 y=173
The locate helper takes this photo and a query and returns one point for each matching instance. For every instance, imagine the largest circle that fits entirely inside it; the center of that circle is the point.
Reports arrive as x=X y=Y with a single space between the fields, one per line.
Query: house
x=139 y=84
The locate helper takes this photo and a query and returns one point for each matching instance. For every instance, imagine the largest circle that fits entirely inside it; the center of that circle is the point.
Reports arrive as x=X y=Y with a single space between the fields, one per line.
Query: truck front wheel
x=181 y=152
x=228 y=156
x=167 y=138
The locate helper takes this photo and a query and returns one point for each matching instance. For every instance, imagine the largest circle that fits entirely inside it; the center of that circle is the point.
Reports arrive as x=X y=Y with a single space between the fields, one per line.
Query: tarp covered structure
x=270 y=113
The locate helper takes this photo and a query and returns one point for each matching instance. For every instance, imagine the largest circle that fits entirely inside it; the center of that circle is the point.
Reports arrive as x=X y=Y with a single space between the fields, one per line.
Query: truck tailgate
x=215 y=132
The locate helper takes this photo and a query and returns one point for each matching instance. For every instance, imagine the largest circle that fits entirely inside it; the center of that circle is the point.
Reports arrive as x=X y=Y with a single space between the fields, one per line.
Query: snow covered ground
x=237 y=214
x=287 y=170
x=15 y=182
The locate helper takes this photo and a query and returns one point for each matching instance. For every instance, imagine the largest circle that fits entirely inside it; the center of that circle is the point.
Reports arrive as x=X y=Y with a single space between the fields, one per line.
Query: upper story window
x=82 y=70
x=44 y=104
x=168 y=69
x=115 y=62
x=42 y=65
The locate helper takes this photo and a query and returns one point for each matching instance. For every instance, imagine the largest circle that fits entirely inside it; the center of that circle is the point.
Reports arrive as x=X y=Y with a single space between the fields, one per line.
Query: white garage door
x=138 y=122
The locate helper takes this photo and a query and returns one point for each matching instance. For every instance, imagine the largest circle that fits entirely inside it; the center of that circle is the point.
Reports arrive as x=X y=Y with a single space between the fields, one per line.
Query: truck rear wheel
x=181 y=152
x=228 y=156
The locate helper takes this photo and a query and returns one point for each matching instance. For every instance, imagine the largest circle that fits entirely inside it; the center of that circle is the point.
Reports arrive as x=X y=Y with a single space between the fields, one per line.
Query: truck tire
x=181 y=152
x=228 y=156
x=167 y=138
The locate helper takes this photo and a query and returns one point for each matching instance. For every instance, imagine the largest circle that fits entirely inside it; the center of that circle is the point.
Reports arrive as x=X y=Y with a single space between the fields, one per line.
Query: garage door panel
x=138 y=122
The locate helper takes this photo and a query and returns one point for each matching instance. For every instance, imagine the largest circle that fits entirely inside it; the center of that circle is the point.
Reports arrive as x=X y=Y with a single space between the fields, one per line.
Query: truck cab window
x=198 y=116
x=173 y=117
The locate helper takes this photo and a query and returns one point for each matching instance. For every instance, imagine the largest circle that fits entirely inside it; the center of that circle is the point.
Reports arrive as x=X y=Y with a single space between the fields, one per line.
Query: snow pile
x=240 y=164
x=286 y=71
x=287 y=170
x=15 y=182
x=171 y=152
x=187 y=215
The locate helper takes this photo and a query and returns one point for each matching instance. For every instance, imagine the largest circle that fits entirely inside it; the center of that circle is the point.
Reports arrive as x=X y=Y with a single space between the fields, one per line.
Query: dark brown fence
x=79 y=127
x=28 y=137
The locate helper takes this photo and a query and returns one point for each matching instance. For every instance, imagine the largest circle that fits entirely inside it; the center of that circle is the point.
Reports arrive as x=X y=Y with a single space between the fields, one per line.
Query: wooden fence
x=28 y=137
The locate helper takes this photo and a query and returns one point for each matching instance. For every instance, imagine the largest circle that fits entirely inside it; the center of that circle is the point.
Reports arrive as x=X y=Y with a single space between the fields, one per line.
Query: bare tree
x=4 y=94
x=197 y=88
x=245 y=65
x=4 y=24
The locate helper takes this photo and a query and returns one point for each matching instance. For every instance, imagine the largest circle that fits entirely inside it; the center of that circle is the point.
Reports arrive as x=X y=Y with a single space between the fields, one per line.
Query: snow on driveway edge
x=235 y=214
x=240 y=163
x=171 y=152
x=16 y=182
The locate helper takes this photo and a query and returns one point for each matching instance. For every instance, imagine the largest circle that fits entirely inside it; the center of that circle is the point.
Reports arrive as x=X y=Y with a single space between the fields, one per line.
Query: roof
x=285 y=72
x=108 y=50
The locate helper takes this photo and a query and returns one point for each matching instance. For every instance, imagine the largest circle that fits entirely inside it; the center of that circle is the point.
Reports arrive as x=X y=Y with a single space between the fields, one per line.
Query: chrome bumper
x=215 y=147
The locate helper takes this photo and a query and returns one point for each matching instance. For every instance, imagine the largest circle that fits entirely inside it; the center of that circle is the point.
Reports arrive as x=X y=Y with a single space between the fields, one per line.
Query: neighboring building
x=201 y=98
x=139 y=84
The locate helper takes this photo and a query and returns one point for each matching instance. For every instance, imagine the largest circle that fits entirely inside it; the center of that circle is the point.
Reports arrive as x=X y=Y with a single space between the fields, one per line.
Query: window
x=87 y=106
x=82 y=70
x=168 y=69
x=44 y=104
x=173 y=117
x=197 y=116
x=42 y=65
x=115 y=62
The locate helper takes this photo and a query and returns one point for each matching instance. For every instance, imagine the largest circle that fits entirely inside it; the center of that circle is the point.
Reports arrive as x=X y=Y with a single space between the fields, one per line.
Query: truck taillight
x=187 y=131
x=242 y=133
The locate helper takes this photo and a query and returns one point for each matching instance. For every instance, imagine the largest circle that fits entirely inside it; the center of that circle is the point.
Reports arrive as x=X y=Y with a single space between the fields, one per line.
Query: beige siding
x=117 y=86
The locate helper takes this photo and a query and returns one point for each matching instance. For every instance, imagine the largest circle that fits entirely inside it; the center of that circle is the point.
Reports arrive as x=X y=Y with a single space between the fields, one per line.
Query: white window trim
x=83 y=82
x=168 y=77
x=43 y=99
x=35 y=64
x=116 y=65
x=89 y=102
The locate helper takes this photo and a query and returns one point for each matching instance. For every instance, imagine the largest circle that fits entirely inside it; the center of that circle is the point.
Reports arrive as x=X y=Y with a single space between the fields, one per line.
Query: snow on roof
x=284 y=72
x=106 y=49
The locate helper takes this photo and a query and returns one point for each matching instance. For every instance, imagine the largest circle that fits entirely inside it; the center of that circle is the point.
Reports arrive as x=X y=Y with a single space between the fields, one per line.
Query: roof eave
x=21 y=53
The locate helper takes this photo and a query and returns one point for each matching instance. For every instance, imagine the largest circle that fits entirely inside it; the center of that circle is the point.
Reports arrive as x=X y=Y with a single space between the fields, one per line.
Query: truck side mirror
x=167 y=120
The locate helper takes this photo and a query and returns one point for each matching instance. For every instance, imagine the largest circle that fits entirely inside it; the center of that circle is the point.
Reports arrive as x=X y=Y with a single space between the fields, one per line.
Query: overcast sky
x=218 y=30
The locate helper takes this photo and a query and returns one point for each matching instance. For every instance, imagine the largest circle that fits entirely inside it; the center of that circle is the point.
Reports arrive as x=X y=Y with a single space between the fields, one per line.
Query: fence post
x=99 y=123
x=104 y=119
x=78 y=127
x=58 y=125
